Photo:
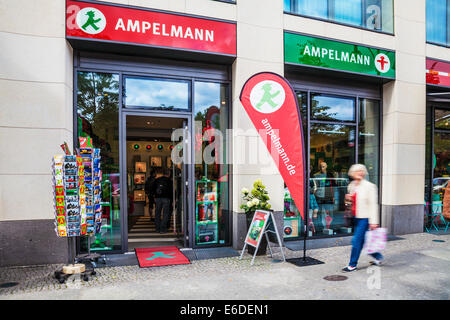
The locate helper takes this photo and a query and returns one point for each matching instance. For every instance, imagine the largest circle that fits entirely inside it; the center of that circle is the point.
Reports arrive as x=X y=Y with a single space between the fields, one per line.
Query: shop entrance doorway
x=156 y=181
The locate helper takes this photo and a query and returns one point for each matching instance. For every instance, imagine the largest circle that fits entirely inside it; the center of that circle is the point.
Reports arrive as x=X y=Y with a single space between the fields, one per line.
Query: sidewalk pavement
x=416 y=267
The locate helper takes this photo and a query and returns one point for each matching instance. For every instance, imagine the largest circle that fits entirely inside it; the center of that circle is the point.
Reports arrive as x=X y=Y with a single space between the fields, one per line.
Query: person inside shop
x=324 y=195
x=150 y=195
x=363 y=195
x=162 y=190
x=313 y=206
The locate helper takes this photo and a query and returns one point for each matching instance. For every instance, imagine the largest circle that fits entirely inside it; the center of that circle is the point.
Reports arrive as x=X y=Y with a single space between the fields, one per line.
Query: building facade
x=371 y=77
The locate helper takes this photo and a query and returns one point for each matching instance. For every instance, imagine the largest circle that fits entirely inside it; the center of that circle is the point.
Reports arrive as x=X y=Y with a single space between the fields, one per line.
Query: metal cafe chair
x=437 y=217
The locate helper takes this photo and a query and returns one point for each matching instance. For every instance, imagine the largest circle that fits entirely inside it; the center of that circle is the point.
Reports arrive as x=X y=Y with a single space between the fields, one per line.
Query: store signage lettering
x=438 y=72
x=113 y=23
x=336 y=55
x=323 y=53
x=164 y=30
x=271 y=104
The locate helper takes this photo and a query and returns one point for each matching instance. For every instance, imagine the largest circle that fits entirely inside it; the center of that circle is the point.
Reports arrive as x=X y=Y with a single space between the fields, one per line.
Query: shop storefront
x=141 y=109
x=339 y=90
x=437 y=171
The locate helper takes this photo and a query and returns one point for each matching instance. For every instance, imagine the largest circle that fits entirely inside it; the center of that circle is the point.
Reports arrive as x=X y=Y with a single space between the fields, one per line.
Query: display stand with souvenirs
x=77 y=197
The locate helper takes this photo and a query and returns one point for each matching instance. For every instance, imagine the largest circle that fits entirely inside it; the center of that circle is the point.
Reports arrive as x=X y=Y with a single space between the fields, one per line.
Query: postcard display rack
x=206 y=212
x=77 y=198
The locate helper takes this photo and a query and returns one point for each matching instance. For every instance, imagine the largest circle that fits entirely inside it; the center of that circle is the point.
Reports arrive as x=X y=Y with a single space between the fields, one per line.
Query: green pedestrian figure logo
x=267 y=96
x=160 y=254
x=91 y=21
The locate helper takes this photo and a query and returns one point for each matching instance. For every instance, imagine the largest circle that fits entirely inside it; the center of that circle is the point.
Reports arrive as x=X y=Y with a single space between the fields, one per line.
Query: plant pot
x=263 y=244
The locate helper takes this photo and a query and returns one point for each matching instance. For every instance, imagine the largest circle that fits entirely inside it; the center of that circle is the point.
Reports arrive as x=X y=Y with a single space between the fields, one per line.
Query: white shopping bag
x=375 y=240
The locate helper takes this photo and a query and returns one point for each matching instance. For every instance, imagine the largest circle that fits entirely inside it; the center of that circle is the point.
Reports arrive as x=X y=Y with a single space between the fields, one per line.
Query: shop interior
x=149 y=150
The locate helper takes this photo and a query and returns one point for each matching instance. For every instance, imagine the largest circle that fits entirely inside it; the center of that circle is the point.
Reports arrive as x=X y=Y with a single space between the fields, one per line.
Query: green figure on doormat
x=90 y=21
x=160 y=254
x=267 y=97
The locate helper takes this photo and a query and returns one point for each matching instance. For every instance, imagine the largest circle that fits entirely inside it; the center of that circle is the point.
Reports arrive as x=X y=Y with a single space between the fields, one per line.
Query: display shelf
x=103 y=237
x=206 y=212
x=291 y=223
x=207 y=222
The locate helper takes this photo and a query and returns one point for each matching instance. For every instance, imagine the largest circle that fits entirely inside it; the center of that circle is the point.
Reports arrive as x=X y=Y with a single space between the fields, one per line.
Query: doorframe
x=189 y=168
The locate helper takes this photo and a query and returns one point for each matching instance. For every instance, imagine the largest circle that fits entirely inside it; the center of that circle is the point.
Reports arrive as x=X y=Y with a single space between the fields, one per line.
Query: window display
x=293 y=221
x=98 y=119
x=211 y=113
x=206 y=212
x=437 y=173
x=334 y=132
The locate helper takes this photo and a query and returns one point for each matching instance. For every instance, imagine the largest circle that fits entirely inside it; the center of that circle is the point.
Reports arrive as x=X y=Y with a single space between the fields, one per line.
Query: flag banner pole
x=272 y=105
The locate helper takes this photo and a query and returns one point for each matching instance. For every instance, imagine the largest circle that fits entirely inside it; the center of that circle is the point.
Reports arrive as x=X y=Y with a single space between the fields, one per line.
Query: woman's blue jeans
x=361 y=227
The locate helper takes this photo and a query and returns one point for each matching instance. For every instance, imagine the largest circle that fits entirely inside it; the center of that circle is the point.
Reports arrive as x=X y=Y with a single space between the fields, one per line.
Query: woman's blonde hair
x=357 y=167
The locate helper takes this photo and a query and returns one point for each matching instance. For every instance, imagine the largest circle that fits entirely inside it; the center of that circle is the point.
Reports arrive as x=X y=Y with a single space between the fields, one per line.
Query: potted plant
x=257 y=198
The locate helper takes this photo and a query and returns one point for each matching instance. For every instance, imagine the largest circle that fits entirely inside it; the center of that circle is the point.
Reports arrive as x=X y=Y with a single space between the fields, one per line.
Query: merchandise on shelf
x=68 y=182
x=206 y=212
x=292 y=217
x=77 y=193
x=93 y=176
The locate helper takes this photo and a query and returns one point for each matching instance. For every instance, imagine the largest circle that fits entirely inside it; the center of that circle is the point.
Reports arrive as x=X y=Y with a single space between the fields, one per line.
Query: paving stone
x=402 y=253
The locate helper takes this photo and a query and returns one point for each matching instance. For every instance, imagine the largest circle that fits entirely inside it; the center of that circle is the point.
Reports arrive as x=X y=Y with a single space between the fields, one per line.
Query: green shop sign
x=323 y=53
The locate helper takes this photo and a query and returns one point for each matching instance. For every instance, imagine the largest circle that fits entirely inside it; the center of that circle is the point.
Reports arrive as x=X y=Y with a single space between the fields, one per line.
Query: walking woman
x=365 y=208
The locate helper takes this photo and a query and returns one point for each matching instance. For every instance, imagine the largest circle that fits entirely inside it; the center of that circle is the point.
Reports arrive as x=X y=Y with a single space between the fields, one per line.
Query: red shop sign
x=438 y=72
x=115 y=23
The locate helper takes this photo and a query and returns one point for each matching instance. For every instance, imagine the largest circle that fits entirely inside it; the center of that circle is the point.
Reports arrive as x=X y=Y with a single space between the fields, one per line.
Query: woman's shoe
x=349 y=269
x=376 y=262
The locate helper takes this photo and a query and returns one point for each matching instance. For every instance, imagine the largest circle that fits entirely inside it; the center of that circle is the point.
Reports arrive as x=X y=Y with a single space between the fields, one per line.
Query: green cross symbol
x=267 y=96
x=160 y=254
x=90 y=21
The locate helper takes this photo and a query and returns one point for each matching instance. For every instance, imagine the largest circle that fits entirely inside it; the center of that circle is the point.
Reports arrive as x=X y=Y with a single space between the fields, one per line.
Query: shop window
x=335 y=135
x=441 y=169
x=98 y=118
x=211 y=116
x=332 y=152
x=348 y=11
x=369 y=14
x=160 y=94
x=428 y=156
x=313 y=8
x=369 y=138
x=293 y=222
x=442 y=119
x=437 y=174
x=330 y=108
x=437 y=19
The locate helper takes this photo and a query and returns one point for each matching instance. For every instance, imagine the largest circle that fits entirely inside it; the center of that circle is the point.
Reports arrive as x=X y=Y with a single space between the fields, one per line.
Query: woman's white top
x=366 y=200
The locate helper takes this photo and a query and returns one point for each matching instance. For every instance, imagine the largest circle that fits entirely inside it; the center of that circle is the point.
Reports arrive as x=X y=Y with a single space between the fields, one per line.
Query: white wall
x=35 y=105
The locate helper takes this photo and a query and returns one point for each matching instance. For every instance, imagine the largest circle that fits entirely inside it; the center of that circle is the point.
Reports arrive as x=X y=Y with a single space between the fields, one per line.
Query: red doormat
x=160 y=256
